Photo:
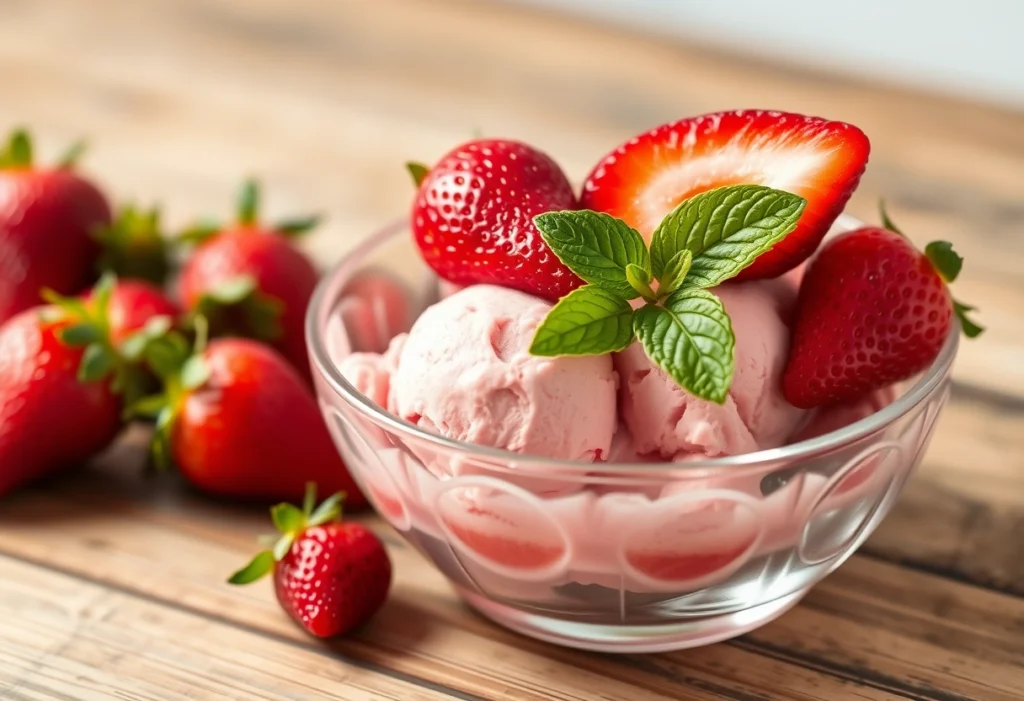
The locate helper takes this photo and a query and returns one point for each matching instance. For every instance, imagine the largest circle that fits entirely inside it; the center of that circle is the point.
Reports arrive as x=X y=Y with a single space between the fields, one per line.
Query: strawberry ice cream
x=465 y=372
x=666 y=422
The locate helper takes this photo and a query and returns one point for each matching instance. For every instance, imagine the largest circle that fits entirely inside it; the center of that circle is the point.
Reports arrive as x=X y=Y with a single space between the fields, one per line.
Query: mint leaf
x=640 y=280
x=595 y=246
x=725 y=229
x=944 y=259
x=676 y=269
x=587 y=321
x=691 y=339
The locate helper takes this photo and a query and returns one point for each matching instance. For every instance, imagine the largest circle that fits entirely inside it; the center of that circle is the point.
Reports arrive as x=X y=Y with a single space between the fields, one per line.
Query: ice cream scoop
x=666 y=420
x=466 y=372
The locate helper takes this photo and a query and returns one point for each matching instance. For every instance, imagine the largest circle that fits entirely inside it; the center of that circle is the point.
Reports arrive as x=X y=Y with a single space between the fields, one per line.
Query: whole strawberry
x=473 y=217
x=132 y=305
x=248 y=279
x=237 y=420
x=872 y=310
x=329 y=576
x=61 y=386
x=47 y=218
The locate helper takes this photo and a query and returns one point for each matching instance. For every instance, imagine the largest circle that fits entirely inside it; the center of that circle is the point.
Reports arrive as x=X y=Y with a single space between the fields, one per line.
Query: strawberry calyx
x=417 y=171
x=134 y=245
x=17 y=153
x=947 y=264
x=181 y=368
x=87 y=325
x=290 y=522
x=238 y=307
x=247 y=218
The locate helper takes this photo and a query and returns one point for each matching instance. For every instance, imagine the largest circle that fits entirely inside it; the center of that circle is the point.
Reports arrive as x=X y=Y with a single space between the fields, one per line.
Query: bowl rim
x=330 y=286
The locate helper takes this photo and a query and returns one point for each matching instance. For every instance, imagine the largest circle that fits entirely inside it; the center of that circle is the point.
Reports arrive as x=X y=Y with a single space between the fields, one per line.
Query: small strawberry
x=248 y=279
x=60 y=381
x=329 y=576
x=47 y=216
x=473 y=217
x=237 y=420
x=872 y=310
x=645 y=178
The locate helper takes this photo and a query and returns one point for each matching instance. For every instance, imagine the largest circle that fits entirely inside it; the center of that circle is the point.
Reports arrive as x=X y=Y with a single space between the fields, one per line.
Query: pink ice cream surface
x=466 y=372
x=370 y=373
x=668 y=422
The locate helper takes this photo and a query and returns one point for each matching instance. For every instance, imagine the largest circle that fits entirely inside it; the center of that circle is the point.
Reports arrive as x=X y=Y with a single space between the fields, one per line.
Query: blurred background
x=954 y=46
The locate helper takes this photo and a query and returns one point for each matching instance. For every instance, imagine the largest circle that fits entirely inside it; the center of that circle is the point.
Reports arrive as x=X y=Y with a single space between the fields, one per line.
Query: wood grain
x=111 y=581
x=873 y=627
x=66 y=639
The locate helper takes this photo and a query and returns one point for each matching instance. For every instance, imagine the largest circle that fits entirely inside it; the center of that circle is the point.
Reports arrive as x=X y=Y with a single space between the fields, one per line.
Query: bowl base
x=693 y=632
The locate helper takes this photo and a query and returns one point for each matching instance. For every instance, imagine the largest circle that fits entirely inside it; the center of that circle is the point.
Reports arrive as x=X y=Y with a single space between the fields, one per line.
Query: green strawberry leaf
x=886 y=221
x=970 y=329
x=195 y=372
x=19 y=150
x=295 y=227
x=329 y=510
x=675 y=272
x=69 y=159
x=283 y=545
x=148 y=407
x=233 y=290
x=587 y=321
x=309 y=499
x=260 y=566
x=97 y=363
x=418 y=171
x=595 y=246
x=81 y=334
x=200 y=231
x=725 y=229
x=944 y=259
x=287 y=518
x=691 y=339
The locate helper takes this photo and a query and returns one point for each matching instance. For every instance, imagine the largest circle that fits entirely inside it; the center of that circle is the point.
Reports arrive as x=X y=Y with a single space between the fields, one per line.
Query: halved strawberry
x=645 y=178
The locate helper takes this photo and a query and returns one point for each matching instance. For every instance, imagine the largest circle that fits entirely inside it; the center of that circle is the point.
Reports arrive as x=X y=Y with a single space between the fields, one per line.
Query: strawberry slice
x=645 y=178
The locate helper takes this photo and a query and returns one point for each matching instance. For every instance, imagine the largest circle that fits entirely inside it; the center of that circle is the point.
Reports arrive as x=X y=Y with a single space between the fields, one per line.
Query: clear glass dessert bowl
x=610 y=557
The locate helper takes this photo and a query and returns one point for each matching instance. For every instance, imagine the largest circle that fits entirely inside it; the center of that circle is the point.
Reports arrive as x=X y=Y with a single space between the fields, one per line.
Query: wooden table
x=112 y=583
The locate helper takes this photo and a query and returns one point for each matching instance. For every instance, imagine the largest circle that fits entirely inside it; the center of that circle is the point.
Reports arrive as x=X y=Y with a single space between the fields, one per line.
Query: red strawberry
x=132 y=304
x=645 y=178
x=237 y=420
x=329 y=576
x=872 y=310
x=46 y=220
x=248 y=279
x=473 y=217
x=59 y=379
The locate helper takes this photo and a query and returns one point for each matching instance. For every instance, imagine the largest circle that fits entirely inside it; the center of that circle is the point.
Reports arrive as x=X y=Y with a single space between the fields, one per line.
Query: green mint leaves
x=684 y=329
x=725 y=230
x=597 y=247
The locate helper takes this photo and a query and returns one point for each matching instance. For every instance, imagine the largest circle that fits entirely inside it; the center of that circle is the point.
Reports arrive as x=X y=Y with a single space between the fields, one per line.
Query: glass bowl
x=604 y=556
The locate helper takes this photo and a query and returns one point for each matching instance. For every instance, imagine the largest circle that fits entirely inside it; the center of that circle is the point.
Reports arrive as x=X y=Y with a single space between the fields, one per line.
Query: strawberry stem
x=248 y=202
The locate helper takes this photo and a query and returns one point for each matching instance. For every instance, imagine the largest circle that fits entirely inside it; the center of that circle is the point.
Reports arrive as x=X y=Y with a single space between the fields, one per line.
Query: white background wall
x=969 y=47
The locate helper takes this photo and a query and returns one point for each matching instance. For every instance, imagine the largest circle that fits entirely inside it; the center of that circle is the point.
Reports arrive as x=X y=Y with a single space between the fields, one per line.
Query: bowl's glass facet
x=614 y=557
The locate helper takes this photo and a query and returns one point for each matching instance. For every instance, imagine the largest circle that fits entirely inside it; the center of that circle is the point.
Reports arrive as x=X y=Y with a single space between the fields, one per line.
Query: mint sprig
x=683 y=328
x=725 y=229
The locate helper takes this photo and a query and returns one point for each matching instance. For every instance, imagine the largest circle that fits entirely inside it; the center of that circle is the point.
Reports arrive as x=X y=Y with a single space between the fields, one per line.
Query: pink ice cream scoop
x=466 y=372
x=667 y=422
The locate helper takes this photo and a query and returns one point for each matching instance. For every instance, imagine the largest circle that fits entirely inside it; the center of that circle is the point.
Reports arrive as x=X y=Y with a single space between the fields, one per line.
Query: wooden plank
x=63 y=638
x=328 y=99
x=871 y=630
